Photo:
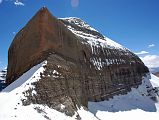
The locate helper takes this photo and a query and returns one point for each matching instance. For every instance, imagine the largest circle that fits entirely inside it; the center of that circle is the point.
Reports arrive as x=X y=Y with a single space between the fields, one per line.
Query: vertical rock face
x=83 y=65
x=43 y=34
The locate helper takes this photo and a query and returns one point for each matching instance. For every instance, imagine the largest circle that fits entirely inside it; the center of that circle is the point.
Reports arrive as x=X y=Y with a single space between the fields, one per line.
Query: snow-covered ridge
x=78 y=22
x=11 y=97
x=26 y=79
x=92 y=37
x=11 y=107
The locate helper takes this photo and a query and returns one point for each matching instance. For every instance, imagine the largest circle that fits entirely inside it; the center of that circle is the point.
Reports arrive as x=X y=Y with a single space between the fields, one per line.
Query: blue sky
x=132 y=23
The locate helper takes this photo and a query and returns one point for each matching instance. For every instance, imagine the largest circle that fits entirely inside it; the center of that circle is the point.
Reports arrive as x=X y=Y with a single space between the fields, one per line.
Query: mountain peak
x=79 y=22
x=81 y=64
x=44 y=9
x=43 y=13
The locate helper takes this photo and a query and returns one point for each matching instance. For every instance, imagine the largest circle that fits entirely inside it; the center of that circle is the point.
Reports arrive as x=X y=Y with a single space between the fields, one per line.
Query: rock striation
x=82 y=64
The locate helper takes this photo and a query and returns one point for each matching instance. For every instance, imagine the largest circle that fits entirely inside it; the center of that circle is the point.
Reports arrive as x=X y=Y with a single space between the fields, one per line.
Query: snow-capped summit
x=91 y=35
x=79 y=22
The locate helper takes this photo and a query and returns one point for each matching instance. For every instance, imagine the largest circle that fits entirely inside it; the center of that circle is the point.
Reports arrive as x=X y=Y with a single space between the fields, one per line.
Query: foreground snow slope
x=11 y=97
x=134 y=105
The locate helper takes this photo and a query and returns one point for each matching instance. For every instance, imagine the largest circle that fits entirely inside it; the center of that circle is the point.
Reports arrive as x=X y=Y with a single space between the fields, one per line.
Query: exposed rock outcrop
x=83 y=65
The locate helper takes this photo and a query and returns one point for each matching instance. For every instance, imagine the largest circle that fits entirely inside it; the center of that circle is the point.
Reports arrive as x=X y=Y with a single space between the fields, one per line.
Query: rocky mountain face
x=82 y=64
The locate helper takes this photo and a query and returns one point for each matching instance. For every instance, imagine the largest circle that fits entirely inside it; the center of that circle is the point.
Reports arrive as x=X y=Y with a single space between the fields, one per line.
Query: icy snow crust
x=136 y=103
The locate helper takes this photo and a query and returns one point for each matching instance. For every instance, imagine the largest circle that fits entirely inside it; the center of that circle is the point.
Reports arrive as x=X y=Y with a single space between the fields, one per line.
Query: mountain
x=154 y=70
x=2 y=79
x=157 y=74
x=58 y=66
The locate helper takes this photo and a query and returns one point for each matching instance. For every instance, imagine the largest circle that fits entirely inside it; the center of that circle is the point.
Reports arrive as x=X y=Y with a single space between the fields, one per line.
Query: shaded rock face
x=78 y=70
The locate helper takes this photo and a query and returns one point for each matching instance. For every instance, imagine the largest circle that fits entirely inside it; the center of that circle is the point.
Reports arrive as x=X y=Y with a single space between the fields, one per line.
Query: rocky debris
x=78 y=70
